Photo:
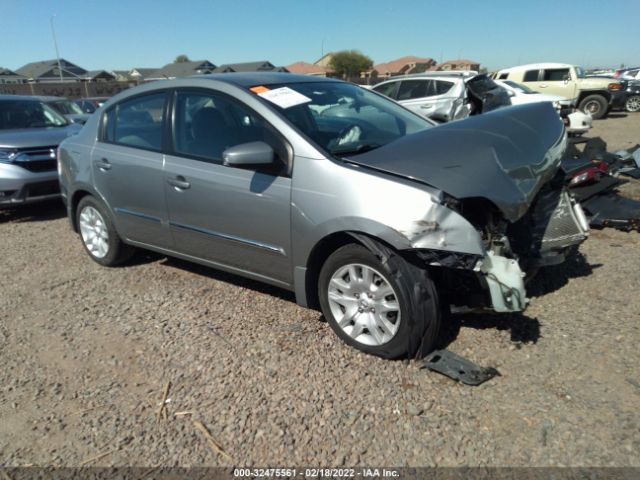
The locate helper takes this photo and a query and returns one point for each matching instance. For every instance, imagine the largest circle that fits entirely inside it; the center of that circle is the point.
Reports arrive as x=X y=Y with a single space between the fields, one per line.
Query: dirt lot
x=86 y=353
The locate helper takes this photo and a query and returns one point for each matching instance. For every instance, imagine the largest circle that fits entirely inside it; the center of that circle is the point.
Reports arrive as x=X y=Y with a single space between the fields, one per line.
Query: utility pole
x=55 y=44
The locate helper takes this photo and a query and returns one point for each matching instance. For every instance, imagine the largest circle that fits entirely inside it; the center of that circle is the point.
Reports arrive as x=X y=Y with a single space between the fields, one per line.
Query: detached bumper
x=20 y=186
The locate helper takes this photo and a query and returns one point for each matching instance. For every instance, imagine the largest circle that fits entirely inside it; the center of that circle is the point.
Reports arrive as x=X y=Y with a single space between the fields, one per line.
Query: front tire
x=632 y=104
x=596 y=105
x=379 y=303
x=98 y=234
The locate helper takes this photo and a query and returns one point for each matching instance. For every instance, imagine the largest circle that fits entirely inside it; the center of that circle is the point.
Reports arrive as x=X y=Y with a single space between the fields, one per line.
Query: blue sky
x=118 y=34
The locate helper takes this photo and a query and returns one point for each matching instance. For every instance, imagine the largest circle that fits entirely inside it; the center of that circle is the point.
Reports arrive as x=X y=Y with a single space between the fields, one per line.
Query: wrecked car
x=445 y=96
x=373 y=215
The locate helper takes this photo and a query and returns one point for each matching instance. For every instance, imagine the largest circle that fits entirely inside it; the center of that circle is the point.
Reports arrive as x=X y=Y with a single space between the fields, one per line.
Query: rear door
x=238 y=218
x=127 y=164
x=558 y=81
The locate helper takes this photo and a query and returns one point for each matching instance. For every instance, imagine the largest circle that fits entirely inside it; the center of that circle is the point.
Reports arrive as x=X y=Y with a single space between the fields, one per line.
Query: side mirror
x=248 y=155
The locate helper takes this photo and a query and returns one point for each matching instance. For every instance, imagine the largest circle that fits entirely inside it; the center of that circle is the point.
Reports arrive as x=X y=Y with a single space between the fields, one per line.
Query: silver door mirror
x=248 y=155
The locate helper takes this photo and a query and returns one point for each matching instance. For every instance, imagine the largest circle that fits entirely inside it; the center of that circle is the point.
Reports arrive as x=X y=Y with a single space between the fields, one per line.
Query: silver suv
x=30 y=133
x=359 y=206
x=445 y=96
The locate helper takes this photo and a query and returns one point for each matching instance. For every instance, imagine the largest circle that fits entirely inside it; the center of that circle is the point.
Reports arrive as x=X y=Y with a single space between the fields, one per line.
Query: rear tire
x=98 y=234
x=596 y=105
x=395 y=314
x=633 y=103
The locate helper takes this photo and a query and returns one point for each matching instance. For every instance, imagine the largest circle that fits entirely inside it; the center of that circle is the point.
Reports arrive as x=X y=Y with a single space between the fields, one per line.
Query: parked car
x=628 y=73
x=577 y=122
x=445 y=96
x=633 y=96
x=377 y=218
x=91 y=104
x=30 y=132
x=66 y=107
x=594 y=95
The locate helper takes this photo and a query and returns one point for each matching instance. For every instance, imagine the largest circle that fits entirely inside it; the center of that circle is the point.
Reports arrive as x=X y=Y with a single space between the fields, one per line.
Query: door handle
x=103 y=164
x=179 y=183
x=543 y=85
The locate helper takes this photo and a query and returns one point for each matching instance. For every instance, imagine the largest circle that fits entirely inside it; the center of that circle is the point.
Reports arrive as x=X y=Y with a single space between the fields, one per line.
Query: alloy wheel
x=633 y=104
x=364 y=304
x=94 y=232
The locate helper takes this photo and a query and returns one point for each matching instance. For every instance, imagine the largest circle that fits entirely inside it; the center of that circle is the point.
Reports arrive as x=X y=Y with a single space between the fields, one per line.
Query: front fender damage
x=444 y=239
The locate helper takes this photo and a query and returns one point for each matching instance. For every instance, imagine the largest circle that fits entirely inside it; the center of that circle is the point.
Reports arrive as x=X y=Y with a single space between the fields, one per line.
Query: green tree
x=181 y=59
x=349 y=63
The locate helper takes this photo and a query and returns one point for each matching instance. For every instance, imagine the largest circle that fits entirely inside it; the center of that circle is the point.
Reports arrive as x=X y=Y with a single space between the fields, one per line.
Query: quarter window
x=136 y=122
x=207 y=124
x=442 y=86
x=556 y=74
x=530 y=76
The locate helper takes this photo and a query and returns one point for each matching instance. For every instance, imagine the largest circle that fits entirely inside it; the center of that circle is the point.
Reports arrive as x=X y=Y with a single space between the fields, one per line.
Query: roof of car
x=536 y=65
x=250 y=79
x=24 y=98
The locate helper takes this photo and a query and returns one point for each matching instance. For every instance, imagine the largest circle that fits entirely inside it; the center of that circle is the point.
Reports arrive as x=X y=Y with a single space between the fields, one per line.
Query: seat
x=211 y=134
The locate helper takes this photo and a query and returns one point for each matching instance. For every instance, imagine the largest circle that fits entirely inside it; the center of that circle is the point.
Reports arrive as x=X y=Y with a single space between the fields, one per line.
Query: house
x=9 y=76
x=122 y=75
x=459 y=65
x=182 y=69
x=259 y=66
x=140 y=74
x=304 y=68
x=99 y=76
x=400 y=66
x=324 y=60
x=47 y=71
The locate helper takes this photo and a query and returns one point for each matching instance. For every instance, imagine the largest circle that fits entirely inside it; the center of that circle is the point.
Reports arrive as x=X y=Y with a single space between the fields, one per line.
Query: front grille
x=41 y=189
x=39 y=159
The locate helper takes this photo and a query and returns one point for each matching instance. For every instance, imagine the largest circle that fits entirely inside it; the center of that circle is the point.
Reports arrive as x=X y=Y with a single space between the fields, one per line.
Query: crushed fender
x=458 y=368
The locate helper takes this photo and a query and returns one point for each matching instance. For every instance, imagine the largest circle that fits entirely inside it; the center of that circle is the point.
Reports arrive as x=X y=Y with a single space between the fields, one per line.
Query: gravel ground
x=87 y=353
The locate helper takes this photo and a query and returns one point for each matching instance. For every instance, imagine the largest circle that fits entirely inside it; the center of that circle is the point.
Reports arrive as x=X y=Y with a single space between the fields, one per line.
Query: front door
x=237 y=218
x=127 y=168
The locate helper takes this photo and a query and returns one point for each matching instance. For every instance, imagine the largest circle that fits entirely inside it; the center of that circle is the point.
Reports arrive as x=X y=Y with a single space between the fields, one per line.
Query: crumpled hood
x=37 y=137
x=504 y=156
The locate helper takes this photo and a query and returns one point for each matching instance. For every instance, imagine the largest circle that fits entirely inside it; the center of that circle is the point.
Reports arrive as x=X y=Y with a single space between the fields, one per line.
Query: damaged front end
x=551 y=230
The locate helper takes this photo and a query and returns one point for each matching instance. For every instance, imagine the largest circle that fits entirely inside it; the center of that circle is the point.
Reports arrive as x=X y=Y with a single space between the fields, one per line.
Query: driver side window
x=206 y=124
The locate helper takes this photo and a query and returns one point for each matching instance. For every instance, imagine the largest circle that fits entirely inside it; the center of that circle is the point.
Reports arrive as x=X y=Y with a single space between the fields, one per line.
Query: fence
x=71 y=90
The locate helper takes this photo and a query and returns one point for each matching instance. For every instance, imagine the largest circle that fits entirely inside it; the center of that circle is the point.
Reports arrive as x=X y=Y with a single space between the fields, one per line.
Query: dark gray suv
x=359 y=206
x=30 y=132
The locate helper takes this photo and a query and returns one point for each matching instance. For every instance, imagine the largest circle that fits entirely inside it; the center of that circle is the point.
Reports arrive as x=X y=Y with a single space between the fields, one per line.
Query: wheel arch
x=586 y=93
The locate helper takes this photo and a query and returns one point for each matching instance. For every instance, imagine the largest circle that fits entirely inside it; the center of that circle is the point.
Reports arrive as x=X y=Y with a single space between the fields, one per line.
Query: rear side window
x=136 y=122
x=503 y=76
x=388 y=89
x=555 y=74
x=411 y=89
x=442 y=86
x=530 y=76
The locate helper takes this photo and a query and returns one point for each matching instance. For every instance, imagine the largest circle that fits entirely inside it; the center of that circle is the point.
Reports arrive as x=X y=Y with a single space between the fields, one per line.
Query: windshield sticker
x=259 y=89
x=284 y=97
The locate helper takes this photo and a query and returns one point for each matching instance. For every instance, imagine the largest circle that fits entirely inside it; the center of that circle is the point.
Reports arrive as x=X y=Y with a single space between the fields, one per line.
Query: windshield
x=66 y=107
x=580 y=72
x=342 y=118
x=28 y=114
x=518 y=86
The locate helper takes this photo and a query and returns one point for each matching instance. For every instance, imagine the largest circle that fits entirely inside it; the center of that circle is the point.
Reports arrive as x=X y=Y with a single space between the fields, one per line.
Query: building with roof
x=181 y=69
x=304 y=68
x=324 y=60
x=460 y=64
x=99 y=76
x=400 y=66
x=258 y=66
x=47 y=71
x=9 y=76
